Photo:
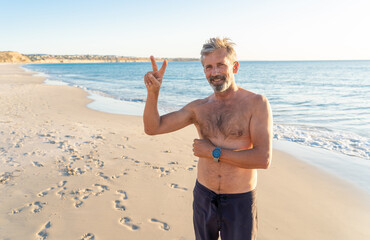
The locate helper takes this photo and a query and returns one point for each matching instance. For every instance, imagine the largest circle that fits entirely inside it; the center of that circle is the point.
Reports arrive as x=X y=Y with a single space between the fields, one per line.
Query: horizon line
x=254 y=60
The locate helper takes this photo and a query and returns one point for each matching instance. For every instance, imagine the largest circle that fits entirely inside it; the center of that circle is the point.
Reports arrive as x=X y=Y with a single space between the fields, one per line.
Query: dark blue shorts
x=232 y=215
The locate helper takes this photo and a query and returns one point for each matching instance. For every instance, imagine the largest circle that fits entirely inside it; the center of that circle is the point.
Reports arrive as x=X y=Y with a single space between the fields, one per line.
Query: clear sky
x=262 y=29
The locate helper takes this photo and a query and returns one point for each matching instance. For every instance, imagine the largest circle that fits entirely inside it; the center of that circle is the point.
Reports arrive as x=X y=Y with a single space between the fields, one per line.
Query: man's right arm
x=153 y=123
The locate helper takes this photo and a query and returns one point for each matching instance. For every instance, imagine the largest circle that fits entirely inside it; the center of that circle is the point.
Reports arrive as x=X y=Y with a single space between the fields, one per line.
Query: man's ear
x=235 y=67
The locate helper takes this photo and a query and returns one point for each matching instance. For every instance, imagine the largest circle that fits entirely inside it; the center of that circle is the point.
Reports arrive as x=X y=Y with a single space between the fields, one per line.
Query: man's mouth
x=217 y=79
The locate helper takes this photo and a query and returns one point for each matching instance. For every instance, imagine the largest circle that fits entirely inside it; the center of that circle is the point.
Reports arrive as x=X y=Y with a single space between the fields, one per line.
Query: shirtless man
x=234 y=127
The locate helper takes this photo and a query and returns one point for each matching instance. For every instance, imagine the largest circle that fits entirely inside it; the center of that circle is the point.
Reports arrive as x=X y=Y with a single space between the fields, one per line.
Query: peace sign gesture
x=153 y=80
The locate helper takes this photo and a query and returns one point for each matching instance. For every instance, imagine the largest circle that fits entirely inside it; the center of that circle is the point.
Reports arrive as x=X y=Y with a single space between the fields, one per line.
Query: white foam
x=36 y=74
x=55 y=82
x=41 y=74
x=26 y=69
x=111 y=105
x=339 y=141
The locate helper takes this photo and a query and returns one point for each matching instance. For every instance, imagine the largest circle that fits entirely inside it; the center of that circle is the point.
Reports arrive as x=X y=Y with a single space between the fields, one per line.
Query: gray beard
x=219 y=88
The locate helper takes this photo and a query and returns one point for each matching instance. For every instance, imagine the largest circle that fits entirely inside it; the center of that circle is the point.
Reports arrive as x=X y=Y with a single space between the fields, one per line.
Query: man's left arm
x=259 y=156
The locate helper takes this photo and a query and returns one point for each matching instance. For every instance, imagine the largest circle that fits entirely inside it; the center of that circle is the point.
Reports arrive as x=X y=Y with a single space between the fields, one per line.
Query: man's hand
x=203 y=148
x=153 y=80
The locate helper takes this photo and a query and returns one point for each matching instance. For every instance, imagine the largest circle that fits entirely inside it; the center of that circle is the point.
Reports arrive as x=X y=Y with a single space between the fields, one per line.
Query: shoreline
x=351 y=142
x=65 y=164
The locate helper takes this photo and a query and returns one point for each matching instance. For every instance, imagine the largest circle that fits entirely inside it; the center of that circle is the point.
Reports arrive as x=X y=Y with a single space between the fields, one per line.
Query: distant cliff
x=15 y=57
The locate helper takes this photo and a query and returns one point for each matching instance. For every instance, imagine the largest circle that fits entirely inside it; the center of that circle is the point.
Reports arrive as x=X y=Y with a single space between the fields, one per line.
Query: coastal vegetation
x=16 y=57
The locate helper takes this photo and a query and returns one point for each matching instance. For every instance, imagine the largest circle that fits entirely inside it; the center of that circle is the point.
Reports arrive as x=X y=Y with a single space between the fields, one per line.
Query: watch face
x=216 y=153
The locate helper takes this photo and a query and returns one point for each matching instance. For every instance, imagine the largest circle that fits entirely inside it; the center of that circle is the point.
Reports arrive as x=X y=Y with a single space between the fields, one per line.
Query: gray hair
x=218 y=43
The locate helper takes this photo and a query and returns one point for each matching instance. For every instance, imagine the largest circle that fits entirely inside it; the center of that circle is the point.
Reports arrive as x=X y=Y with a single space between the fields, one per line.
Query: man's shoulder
x=251 y=96
x=254 y=99
x=197 y=103
x=260 y=99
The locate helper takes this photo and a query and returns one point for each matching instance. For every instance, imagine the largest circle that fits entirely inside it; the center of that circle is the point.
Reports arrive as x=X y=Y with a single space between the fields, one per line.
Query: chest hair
x=223 y=120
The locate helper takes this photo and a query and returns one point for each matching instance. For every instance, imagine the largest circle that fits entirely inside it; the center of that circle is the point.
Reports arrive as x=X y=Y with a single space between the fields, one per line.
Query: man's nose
x=215 y=71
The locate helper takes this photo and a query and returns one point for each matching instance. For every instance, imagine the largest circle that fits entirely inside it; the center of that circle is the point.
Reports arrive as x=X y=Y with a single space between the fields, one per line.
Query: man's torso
x=226 y=124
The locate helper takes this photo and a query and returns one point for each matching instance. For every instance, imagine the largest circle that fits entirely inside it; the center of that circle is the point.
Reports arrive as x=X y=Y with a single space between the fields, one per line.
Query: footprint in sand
x=118 y=203
x=35 y=207
x=78 y=203
x=75 y=158
x=125 y=171
x=4 y=177
x=119 y=206
x=37 y=164
x=61 y=194
x=45 y=192
x=69 y=136
x=131 y=159
x=190 y=168
x=126 y=221
x=164 y=226
x=62 y=144
x=102 y=188
x=38 y=206
x=101 y=174
x=12 y=163
x=19 y=144
x=121 y=145
x=88 y=236
x=174 y=185
x=80 y=194
x=69 y=171
x=98 y=136
x=123 y=193
x=98 y=163
x=163 y=171
x=43 y=233
x=115 y=177
x=62 y=184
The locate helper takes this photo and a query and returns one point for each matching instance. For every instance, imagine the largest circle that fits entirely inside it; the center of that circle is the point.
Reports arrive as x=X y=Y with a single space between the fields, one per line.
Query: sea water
x=322 y=104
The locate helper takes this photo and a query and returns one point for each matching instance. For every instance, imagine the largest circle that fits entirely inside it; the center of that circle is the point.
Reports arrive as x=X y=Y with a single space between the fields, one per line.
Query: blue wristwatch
x=216 y=153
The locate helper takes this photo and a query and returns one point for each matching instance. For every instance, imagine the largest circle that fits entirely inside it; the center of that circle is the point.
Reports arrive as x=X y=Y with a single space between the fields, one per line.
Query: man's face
x=218 y=70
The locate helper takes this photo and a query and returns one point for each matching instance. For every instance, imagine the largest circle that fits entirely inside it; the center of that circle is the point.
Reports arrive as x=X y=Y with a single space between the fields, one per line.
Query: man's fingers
x=154 y=64
x=161 y=71
x=153 y=80
x=163 y=68
x=146 y=80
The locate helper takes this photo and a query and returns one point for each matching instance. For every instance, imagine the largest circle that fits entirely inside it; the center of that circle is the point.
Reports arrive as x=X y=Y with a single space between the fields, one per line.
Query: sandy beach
x=69 y=172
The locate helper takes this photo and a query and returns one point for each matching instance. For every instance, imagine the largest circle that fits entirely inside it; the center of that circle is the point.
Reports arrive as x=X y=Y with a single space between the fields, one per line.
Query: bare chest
x=223 y=121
